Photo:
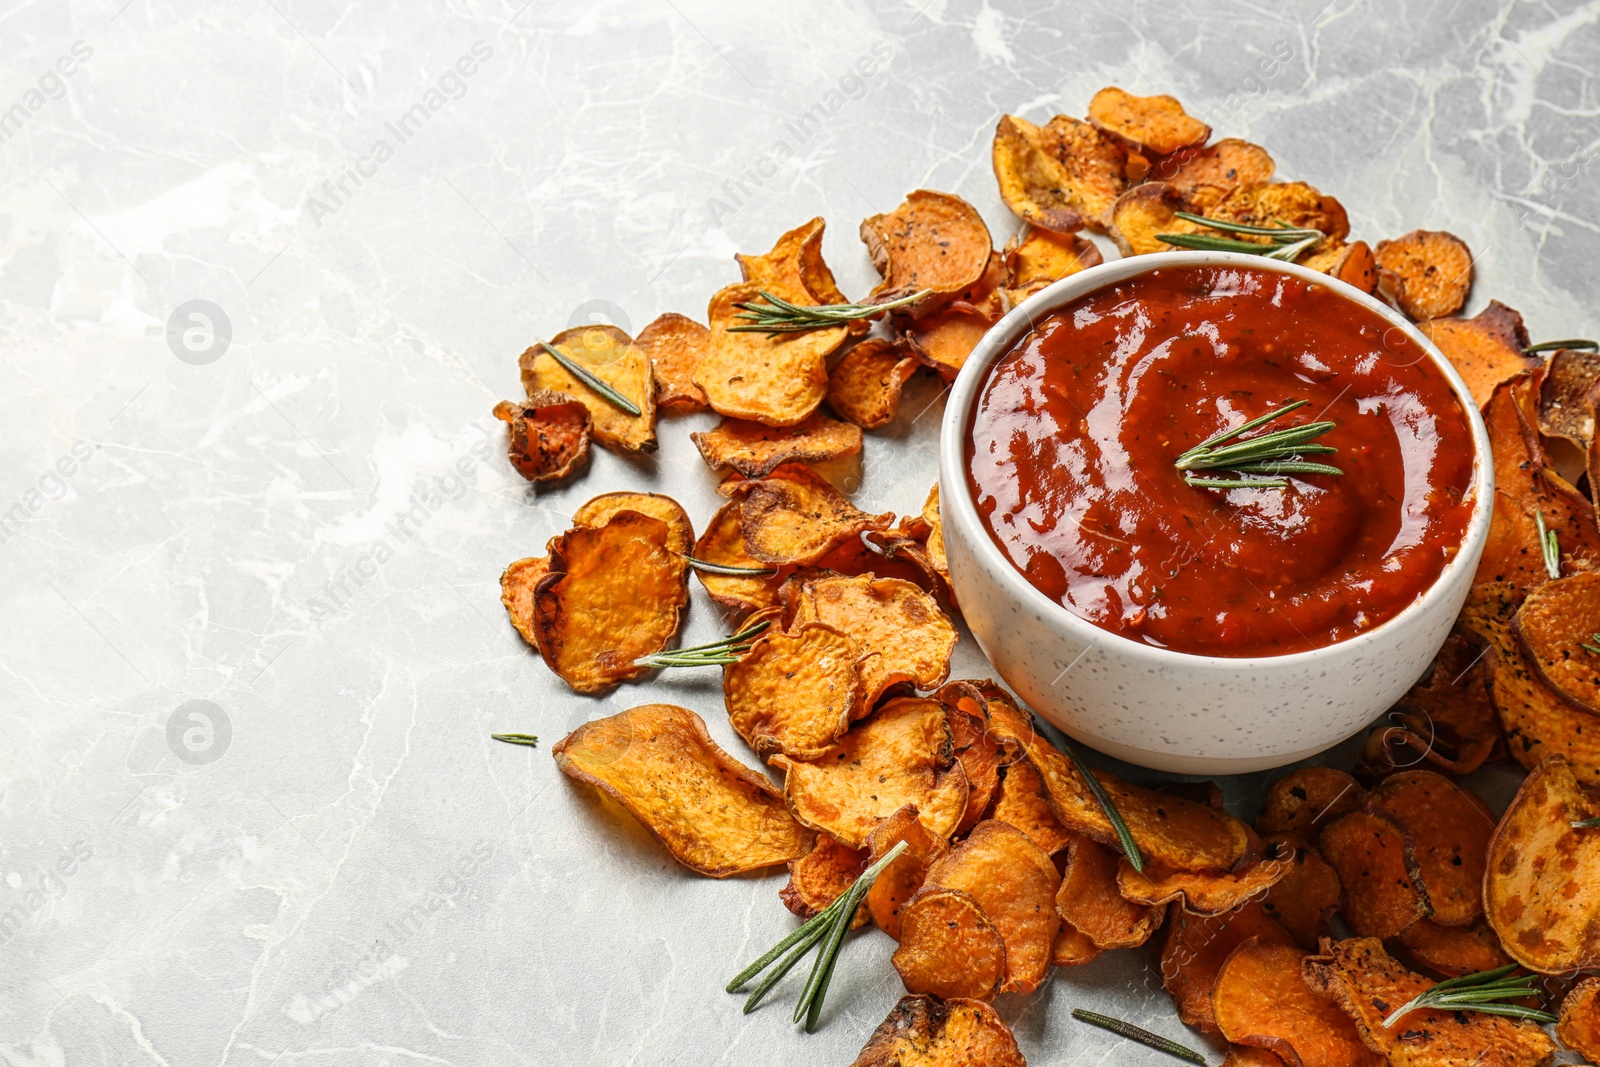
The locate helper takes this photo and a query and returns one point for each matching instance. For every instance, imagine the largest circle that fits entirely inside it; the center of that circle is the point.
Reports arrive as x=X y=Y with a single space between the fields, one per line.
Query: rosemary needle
x=1587 y=824
x=774 y=315
x=1287 y=243
x=1549 y=547
x=1139 y=1034
x=1556 y=346
x=1130 y=848
x=1277 y=452
x=727 y=650
x=517 y=739
x=1485 y=992
x=735 y=572
x=578 y=371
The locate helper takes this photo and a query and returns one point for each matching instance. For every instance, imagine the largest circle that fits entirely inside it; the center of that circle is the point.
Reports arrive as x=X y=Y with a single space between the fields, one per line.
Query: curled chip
x=1303 y=801
x=795 y=692
x=935 y=536
x=1145 y=212
x=1448 y=829
x=1262 y=1001
x=1353 y=264
x=1157 y=125
x=755 y=450
x=931 y=241
x=795 y=265
x=1205 y=177
x=517 y=583
x=1447 y=719
x=1569 y=392
x=1377 y=867
x=1368 y=984
x=1544 y=874
x=776 y=379
x=864 y=387
x=1014 y=883
x=980 y=756
x=1579 y=1028
x=949 y=947
x=599 y=510
x=1035 y=257
x=1295 y=204
x=1072 y=947
x=1485 y=350
x=1089 y=901
x=927 y=1032
x=1207 y=892
x=1454 y=950
x=722 y=544
x=1305 y=898
x=1196 y=947
x=548 y=436
x=946 y=338
x=1427 y=273
x=611 y=356
x=613 y=595
x=712 y=813
x=1063 y=176
x=1023 y=803
x=898 y=626
x=795 y=516
x=899 y=882
x=1555 y=623
x=821 y=876
x=674 y=344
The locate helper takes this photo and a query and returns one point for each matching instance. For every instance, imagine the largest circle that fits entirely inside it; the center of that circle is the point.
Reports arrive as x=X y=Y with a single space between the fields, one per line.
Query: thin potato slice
x=1454 y=950
x=611 y=356
x=712 y=813
x=1073 y=947
x=598 y=511
x=1196 y=947
x=776 y=379
x=795 y=692
x=1427 y=273
x=1378 y=869
x=1353 y=264
x=864 y=387
x=517 y=583
x=1145 y=212
x=1094 y=165
x=1157 y=125
x=755 y=450
x=1206 y=892
x=927 y=1032
x=899 y=882
x=944 y=339
x=1305 y=898
x=935 y=536
x=1295 y=204
x=912 y=638
x=934 y=241
x=1448 y=719
x=548 y=436
x=1262 y=1001
x=949 y=947
x=1036 y=184
x=793 y=516
x=1579 y=1028
x=1555 y=622
x=722 y=543
x=674 y=344
x=1449 y=830
x=1569 y=393
x=1204 y=177
x=795 y=265
x=821 y=876
x=1035 y=257
x=1485 y=350
x=1303 y=801
x=1023 y=802
x=1089 y=901
x=1245 y=1056
x=980 y=756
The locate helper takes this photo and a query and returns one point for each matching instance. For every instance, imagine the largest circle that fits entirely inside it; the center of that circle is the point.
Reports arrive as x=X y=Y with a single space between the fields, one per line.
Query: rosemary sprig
x=578 y=371
x=777 y=315
x=710 y=654
x=1287 y=243
x=1484 y=991
x=1549 y=547
x=1130 y=848
x=1592 y=649
x=1556 y=346
x=736 y=572
x=1139 y=1034
x=1587 y=824
x=827 y=928
x=1276 y=453
x=517 y=739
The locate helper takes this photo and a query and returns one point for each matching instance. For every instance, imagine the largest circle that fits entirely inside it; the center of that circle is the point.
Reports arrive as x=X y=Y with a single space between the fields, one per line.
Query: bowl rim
x=1021 y=320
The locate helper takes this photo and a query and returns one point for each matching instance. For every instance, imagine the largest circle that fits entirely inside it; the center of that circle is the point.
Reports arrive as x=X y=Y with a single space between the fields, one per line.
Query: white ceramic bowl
x=1177 y=711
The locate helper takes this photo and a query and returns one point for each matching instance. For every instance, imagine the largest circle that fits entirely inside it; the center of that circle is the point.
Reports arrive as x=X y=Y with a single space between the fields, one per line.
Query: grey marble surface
x=326 y=860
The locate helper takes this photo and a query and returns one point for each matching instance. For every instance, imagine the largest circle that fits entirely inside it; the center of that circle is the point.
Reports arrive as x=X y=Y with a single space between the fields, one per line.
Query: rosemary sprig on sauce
x=1549 y=547
x=578 y=371
x=735 y=572
x=1287 y=243
x=1273 y=454
x=773 y=314
x=1139 y=1034
x=517 y=739
x=1556 y=346
x=1485 y=992
x=727 y=650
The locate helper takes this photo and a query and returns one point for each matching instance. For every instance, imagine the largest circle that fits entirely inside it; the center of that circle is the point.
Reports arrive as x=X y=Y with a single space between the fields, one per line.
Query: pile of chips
x=1291 y=938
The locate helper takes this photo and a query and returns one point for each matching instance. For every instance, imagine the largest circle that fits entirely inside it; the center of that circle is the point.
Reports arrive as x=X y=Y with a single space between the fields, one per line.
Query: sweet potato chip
x=1544 y=874
x=1485 y=350
x=712 y=813
x=1352 y=264
x=1196 y=947
x=1579 y=1028
x=935 y=536
x=1449 y=830
x=946 y=338
x=821 y=876
x=1305 y=897
x=1569 y=391
x=911 y=637
x=1014 y=883
x=795 y=692
x=1377 y=867
x=1262 y=1001
x=548 y=436
x=1448 y=719
x=1305 y=800
x=927 y=1032
x=598 y=511
x=1072 y=947
x=776 y=379
x=795 y=516
x=755 y=450
x=864 y=387
x=1427 y=273
x=899 y=882
x=611 y=356
x=1204 y=177
x=1293 y=203
x=934 y=241
x=1023 y=803
x=980 y=756
x=1062 y=176
x=1157 y=125
x=1207 y=892
x=1035 y=257
x=1245 y=1056
x=613 y=595
x=1145 y=212
x=795 y=265
x=949 y=947
x=1089 y=901
x=1368 y=984
x=1453 y=950
x=674 y=344
x=517 y=583
x=1555 y=622
x=722 y=543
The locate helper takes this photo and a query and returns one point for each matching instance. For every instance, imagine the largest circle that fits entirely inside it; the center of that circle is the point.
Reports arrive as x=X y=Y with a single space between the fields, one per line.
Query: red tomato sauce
x=1073 y=440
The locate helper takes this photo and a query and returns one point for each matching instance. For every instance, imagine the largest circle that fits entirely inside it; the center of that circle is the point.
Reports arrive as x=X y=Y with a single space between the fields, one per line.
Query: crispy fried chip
x=776 y=379
x=1453 y=950
x=911 y=637
x=1579 y=1028
x=608 y=354
x=933 y=241
x=1303 y=801
x=1035 y=257
x=722 y=543
x=794 y=516
x=1023 y=803
x=1157 y=125
x=1427 y=273
x=980 y=755
x=598 y=511
x=548 y=436
x=949 y=947
x=755 y=450
x=1089 y=901
x=1245 y=1056
x=1293 y=203
x=1353 y=264
x=1195 y=948
x=1540 y=895
x=1063 y=176
x=1204 y=177
x=821 y=876
x=712 y=813
x=1447 y=719
x=795 y=265
x=899 y=882
x=1555 y=622
x=1368 y=984
x=1486 y=349
x=927 y=1032
x=674 y=344
x=1207 y=892
x=1072 y=947
x=1262 y=1001
x=1569 y=391
x=1014 y=883
x=946 y=338
x=864 y=387
x=1449 y=829
x=1377 y=867
x=613 y=595
x=1146 y=211
x=1305 y=897
x=517 y=582
x=795 y=692
x=935 y=536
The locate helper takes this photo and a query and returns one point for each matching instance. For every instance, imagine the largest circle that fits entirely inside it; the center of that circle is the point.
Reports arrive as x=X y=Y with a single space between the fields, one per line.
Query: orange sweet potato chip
x=755 y=450
x=1427 y=273
x=793 y=516
x=1262 y=1001
x=1157 y=125
x=1305 y=897
x=1204 y=177
x=949 y=947
x=1072 y=947
x=1207 y=892
x=776 y=379
x=1485 y=350
x=933 y=241
x=548 y=436
x=1293 y=203
x=712 y=813
x=911 y=638
x=613 y=595
x=927 y=1032
x=517 y=583
x=1353 y=264
x=1377 y=867
x=935 y=536
x=795 y=265
x=1360 y=977
x=1035 y=257
x=1555 y=622
x=598 y=511
x=944 y=339
x=1023 y=802
x=1569 y=392
x=864 y=387
x=795 y=692
x=899 y=882
x=722 y=543
x=1448 y=719
x=611 y=356
x=1303 y=801
x=1453 y=950
x=1579 y=1028
x=1449 y=830
x=1544 y=874
x=1089 y=901
x=1142 y=214
x=821 y=876
x=980 y=755
x=1196 y=947
x=674 y=344
x=1062 y=176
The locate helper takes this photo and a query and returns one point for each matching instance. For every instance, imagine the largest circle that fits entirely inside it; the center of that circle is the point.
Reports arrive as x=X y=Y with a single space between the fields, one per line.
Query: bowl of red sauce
x=1152 y=572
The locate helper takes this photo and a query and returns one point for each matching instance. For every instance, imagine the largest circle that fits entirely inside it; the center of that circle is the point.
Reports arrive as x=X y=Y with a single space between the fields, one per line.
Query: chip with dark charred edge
x=1037 y=184
x=795 y=692
x=983 y=297
x=821 y=876
x=1072 y=947
x=903 y=557
x=1195 y=948
x=722 y=543
x=1579 y=1028
x=927 y=1032
x=1540 y=895
x=1427 y=273
x=949 y=947
x=611 y=356
x=613 y=594
x=944 y=339
x=1035 y=257
x=712 y=813
x=1453 y=950
x=1447 y=719
x=1146 y=211
x=1204 y=177
x=1296 y=204
x=1353 y=264
x=1305 y=898
x=899 y=882
x=1157 y=125
x=1262 y=1001
x=1569 y=392
x=864 y=387
x=1178 y=833
x=1094 y=166
x=1449 y=828
x=908 y=638
x=1557 y=620
x=1305 y=800
x=1015 y=884
x=855 y=557
x=755 y=450
x=1363 y=980
x=1089 y=901
x=598 y=511
x=1485 y=350
x=1207 y=892
x=674 y=344
x=793 y=516
x=1023 y=803
x=548 y=436
x=980 y=756
x=933 y=241
x=1377 y=867
x=776 y=379
x=795 y=265
x=888 y=760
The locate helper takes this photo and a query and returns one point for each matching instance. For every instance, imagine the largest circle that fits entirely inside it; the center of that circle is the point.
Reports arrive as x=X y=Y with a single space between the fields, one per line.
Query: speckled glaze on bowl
x=1177 y=711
